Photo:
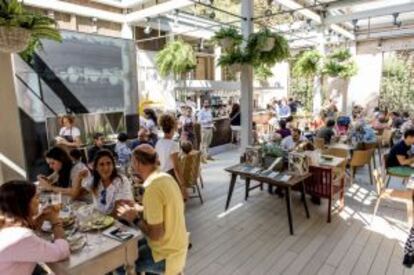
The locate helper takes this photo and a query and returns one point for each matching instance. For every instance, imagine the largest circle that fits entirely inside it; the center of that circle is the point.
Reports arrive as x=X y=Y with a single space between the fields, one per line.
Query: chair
x=319 y=143
x=323 y=185
x=340 y=153
x=190 y=171
x=374 y=147
x=404 y=196
x=361 y=158
x=397 y=172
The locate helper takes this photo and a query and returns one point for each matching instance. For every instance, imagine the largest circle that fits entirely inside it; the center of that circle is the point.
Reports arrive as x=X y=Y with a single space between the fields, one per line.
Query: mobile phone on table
x=118 y=233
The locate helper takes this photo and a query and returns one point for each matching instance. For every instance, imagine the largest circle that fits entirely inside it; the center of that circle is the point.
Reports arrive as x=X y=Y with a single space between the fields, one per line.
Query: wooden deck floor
x=253 y=236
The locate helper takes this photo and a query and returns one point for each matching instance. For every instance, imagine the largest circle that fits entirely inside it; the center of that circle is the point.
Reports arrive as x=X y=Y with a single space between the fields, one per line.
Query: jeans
x=145 y=262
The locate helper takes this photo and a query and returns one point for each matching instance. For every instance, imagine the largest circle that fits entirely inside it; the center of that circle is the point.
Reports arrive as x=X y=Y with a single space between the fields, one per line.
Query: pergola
x=310 y=24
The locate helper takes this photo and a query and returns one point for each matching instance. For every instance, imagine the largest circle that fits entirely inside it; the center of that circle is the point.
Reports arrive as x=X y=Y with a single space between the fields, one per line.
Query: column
x=217 y=69
x=317 y=83
x=246 y=80
x=12 y=158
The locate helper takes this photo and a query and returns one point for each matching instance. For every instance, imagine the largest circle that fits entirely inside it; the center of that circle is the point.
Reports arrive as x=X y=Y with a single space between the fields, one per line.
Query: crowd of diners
x=359 y=128
x=106 y=179
x=153 y=160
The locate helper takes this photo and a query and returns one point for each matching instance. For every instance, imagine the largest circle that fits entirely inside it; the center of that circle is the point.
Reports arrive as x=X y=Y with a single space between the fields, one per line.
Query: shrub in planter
x=262 y=72
x=22 y=31
x=234 y=59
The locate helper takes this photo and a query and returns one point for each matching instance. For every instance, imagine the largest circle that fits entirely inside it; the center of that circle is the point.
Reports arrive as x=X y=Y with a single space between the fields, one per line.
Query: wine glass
x=83 y=215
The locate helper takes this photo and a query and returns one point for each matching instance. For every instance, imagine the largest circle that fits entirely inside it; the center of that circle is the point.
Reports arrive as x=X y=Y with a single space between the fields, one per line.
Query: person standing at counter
x=205 y=117
x=69 y=135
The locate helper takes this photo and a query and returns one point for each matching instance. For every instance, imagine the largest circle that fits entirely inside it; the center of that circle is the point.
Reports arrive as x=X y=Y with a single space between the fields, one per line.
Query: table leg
x=289 y=208
x=231 y=188
x=246 y=195
x=304 y=200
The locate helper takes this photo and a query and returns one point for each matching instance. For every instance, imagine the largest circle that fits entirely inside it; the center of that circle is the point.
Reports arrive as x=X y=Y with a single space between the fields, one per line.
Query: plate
x=97 y=223
x=76 y=242
x=66 y=222
x=327 y=158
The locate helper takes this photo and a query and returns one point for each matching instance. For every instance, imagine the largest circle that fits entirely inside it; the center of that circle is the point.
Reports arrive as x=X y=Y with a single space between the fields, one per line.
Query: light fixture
x=201 y=47
x=268 y=12
x=355 y=24
x=396 y=22
x=308 y=24
x=212 y=15
x=147 y=29
x=379 y=46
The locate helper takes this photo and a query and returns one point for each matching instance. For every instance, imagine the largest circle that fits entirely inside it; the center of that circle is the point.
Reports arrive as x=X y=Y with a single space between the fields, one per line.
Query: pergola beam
x=125 y=4
x=156 y=10
x=333 y=19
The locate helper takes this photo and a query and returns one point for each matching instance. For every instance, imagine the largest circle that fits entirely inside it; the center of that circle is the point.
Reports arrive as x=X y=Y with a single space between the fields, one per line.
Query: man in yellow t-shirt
x=160 y=218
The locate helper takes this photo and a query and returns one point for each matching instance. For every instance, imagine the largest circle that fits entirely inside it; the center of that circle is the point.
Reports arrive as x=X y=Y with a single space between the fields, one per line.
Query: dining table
x=283 y=180
x=100 y=254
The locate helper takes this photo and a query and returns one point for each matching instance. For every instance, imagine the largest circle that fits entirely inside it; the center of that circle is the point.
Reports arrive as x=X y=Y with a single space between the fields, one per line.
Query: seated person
x=327 y=132
x=362 y=133
x=98 y=144
x=186 y=147
x=380 y=123
x=142 y=138
x=396 y=120
x=319 y=121
x=289 y=143
x=108 y=188
x=20 y=248
x=160 y=218
x=283 y=131
x=399 y=160
x=64 y=178
x=122 y=150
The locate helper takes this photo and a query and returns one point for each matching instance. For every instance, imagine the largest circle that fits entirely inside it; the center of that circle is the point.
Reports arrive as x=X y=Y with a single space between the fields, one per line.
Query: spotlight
x=379 y=46
x=396 y=22
x=355 y=24
x=268 y=12
x=212 y=15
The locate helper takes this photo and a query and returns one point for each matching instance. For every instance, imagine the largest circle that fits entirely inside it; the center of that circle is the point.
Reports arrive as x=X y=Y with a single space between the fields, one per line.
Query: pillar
x=12 y=158
x=317 y=83
x=246 y=79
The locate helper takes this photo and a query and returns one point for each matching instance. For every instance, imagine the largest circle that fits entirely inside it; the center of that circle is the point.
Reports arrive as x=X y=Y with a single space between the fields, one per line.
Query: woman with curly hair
x=167 y=150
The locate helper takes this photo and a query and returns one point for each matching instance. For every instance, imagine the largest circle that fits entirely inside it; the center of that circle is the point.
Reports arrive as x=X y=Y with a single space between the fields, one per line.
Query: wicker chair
x=404 y=196
x=323 y=185
x=319 y=143
x=190 y=170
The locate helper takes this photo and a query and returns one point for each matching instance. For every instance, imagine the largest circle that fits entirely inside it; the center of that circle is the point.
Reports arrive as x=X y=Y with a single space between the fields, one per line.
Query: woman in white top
x=107 y=187
x=20 y=248
x=167 y=150
x=69 y=135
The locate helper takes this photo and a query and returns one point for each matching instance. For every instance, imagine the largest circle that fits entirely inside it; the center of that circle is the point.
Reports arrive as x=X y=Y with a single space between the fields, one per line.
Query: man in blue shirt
x=399 y=160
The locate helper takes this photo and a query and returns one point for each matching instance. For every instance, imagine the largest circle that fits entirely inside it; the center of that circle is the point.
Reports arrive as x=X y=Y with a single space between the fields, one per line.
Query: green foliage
x=257 y=41
x=12 y=14
x=395 y=67
x=397 y=91
x=262 y=72
x=228 y=32
x=340 y=64
x=176 y=58
x=234 y=57
x=308 y=64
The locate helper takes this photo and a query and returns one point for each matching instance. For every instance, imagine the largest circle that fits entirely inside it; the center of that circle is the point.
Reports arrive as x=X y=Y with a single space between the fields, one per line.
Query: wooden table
x=286 y=185
x=101 y=258
x=344 y=146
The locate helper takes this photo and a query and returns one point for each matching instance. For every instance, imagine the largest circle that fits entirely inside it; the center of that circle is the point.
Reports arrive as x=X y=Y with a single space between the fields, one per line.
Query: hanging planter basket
x=13 y=39
x=269 y=44
x=226 y=43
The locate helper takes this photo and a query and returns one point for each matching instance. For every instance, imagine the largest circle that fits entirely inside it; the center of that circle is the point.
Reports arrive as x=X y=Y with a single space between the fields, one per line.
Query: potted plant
x=234 y=60
x=227 y=37
x=21 y=31
x=340 y=64
x=258 y=43
x=308 y=64
x=176 y=58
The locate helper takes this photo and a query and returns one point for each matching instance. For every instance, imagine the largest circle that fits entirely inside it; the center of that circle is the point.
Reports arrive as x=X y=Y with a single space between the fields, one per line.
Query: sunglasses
x=103 y=197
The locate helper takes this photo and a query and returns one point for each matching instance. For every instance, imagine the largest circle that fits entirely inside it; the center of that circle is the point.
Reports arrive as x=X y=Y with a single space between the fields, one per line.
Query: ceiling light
x=396 y=22
x=379 y=46
x=268 y=12
x=212 y=15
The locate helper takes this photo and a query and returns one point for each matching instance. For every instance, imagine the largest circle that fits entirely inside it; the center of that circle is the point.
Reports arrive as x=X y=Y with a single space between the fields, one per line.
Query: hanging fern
x=176 y=58
x=308 y=64
x=12 y=14
x=262 y=72
x=340 y=64
x=228 y=32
